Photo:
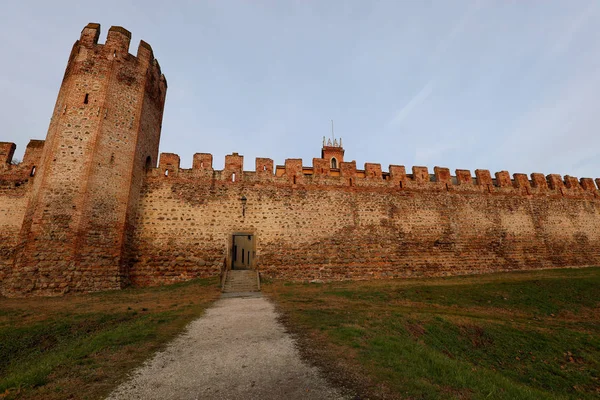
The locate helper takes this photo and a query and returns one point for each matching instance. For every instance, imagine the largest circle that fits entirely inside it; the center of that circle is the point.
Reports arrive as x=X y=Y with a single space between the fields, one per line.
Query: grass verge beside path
x=82 y=346
x=520 y=335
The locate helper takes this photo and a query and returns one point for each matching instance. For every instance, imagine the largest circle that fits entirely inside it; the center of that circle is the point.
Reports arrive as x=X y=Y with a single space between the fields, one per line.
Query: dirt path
x=237 y=350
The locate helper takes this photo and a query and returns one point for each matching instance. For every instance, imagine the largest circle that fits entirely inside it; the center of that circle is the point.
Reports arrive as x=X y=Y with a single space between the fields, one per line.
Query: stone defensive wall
x=87 y=209
x=15 y=191
x=330 y=224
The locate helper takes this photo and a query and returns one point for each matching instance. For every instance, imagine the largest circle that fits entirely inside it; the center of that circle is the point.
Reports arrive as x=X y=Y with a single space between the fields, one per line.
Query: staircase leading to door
x=241 y=281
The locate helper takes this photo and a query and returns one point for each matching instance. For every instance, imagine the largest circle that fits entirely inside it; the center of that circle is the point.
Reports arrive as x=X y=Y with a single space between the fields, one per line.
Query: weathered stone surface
x=373 y=229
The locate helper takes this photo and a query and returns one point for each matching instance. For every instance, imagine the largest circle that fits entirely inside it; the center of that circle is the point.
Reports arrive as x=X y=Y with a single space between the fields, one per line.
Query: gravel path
x=237 y=350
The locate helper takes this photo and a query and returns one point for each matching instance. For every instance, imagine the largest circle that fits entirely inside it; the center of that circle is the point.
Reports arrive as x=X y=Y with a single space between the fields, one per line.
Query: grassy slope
x=80 y=347
x=522 y=335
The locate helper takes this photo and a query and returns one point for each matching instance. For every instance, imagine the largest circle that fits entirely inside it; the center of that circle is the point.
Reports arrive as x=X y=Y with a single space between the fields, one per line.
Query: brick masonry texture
x=80 y=203
x=88 y=209
x=324 y=228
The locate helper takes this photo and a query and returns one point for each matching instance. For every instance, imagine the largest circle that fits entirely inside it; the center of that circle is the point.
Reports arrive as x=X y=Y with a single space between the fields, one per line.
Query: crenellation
x=397 y=175
x=555 y=182
x=145 y=54
x=572 y=183
x=463 y=177
x=90 y=35
x=117 y=42
x=7 y=151
x=33 y=153
x=293 y=171
x=348 y=169
x=264 y=167
x=521 y=181
x=587 y=184
x=169 y=164
x=163 y=82
x=373 y=171
x=320 y=167
x=320 y=173
x=503 y=179
x=442 y=175
x=233 y=171
x=484 y=178
x=203 y=162
x=539 y=182
x=420 y=175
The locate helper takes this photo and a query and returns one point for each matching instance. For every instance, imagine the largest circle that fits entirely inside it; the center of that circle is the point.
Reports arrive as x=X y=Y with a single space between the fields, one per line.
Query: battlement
x=7 y=150
x=294 y=173
x=115 y=48
x=27 y=167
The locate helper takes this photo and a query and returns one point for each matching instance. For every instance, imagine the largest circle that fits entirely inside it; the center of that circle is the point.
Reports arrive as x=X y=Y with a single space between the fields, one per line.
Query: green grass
x=522 y=335
x=81 y=346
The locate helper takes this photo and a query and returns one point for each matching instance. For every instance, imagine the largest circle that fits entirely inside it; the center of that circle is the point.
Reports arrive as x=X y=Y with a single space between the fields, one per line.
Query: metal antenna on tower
x=332 y=134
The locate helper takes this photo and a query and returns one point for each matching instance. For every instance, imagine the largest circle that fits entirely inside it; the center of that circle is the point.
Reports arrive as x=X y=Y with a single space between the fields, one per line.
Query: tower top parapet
x=116 y=47
x=332 y=143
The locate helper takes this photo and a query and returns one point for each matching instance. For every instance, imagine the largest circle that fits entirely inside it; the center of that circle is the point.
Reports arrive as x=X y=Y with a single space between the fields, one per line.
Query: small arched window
x=233 y=177
x=148 y=163
x=32 y=171
x=166 y=172
x=86 y=99
x=333 y=163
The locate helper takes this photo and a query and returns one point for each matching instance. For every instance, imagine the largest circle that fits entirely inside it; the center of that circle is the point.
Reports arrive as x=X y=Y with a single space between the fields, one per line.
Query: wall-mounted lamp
x=244 y=200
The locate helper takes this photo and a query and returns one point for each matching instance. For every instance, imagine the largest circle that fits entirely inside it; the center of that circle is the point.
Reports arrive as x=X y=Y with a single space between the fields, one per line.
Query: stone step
x=241 y=281
x=247 y=284
x=241 y=284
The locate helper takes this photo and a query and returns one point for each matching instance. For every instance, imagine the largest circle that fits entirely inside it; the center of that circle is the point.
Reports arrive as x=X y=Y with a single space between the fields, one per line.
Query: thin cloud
x=457 y=29
x=439 y=50
x=575 y=25
x=417 y=100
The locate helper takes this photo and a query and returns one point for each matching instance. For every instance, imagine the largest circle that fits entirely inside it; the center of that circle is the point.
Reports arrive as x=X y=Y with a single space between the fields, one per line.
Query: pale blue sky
x=501 y=85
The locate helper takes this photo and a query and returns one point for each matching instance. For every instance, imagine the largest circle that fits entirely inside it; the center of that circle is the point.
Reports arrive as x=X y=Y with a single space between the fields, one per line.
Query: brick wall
x=432 y=225
x=15 y=190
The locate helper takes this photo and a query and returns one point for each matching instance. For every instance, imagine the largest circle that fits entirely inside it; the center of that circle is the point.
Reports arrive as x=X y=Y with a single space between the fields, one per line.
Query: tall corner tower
x=103 y=135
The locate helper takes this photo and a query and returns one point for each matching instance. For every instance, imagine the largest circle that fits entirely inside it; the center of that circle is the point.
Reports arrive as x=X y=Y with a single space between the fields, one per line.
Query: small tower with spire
x=332 y=150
